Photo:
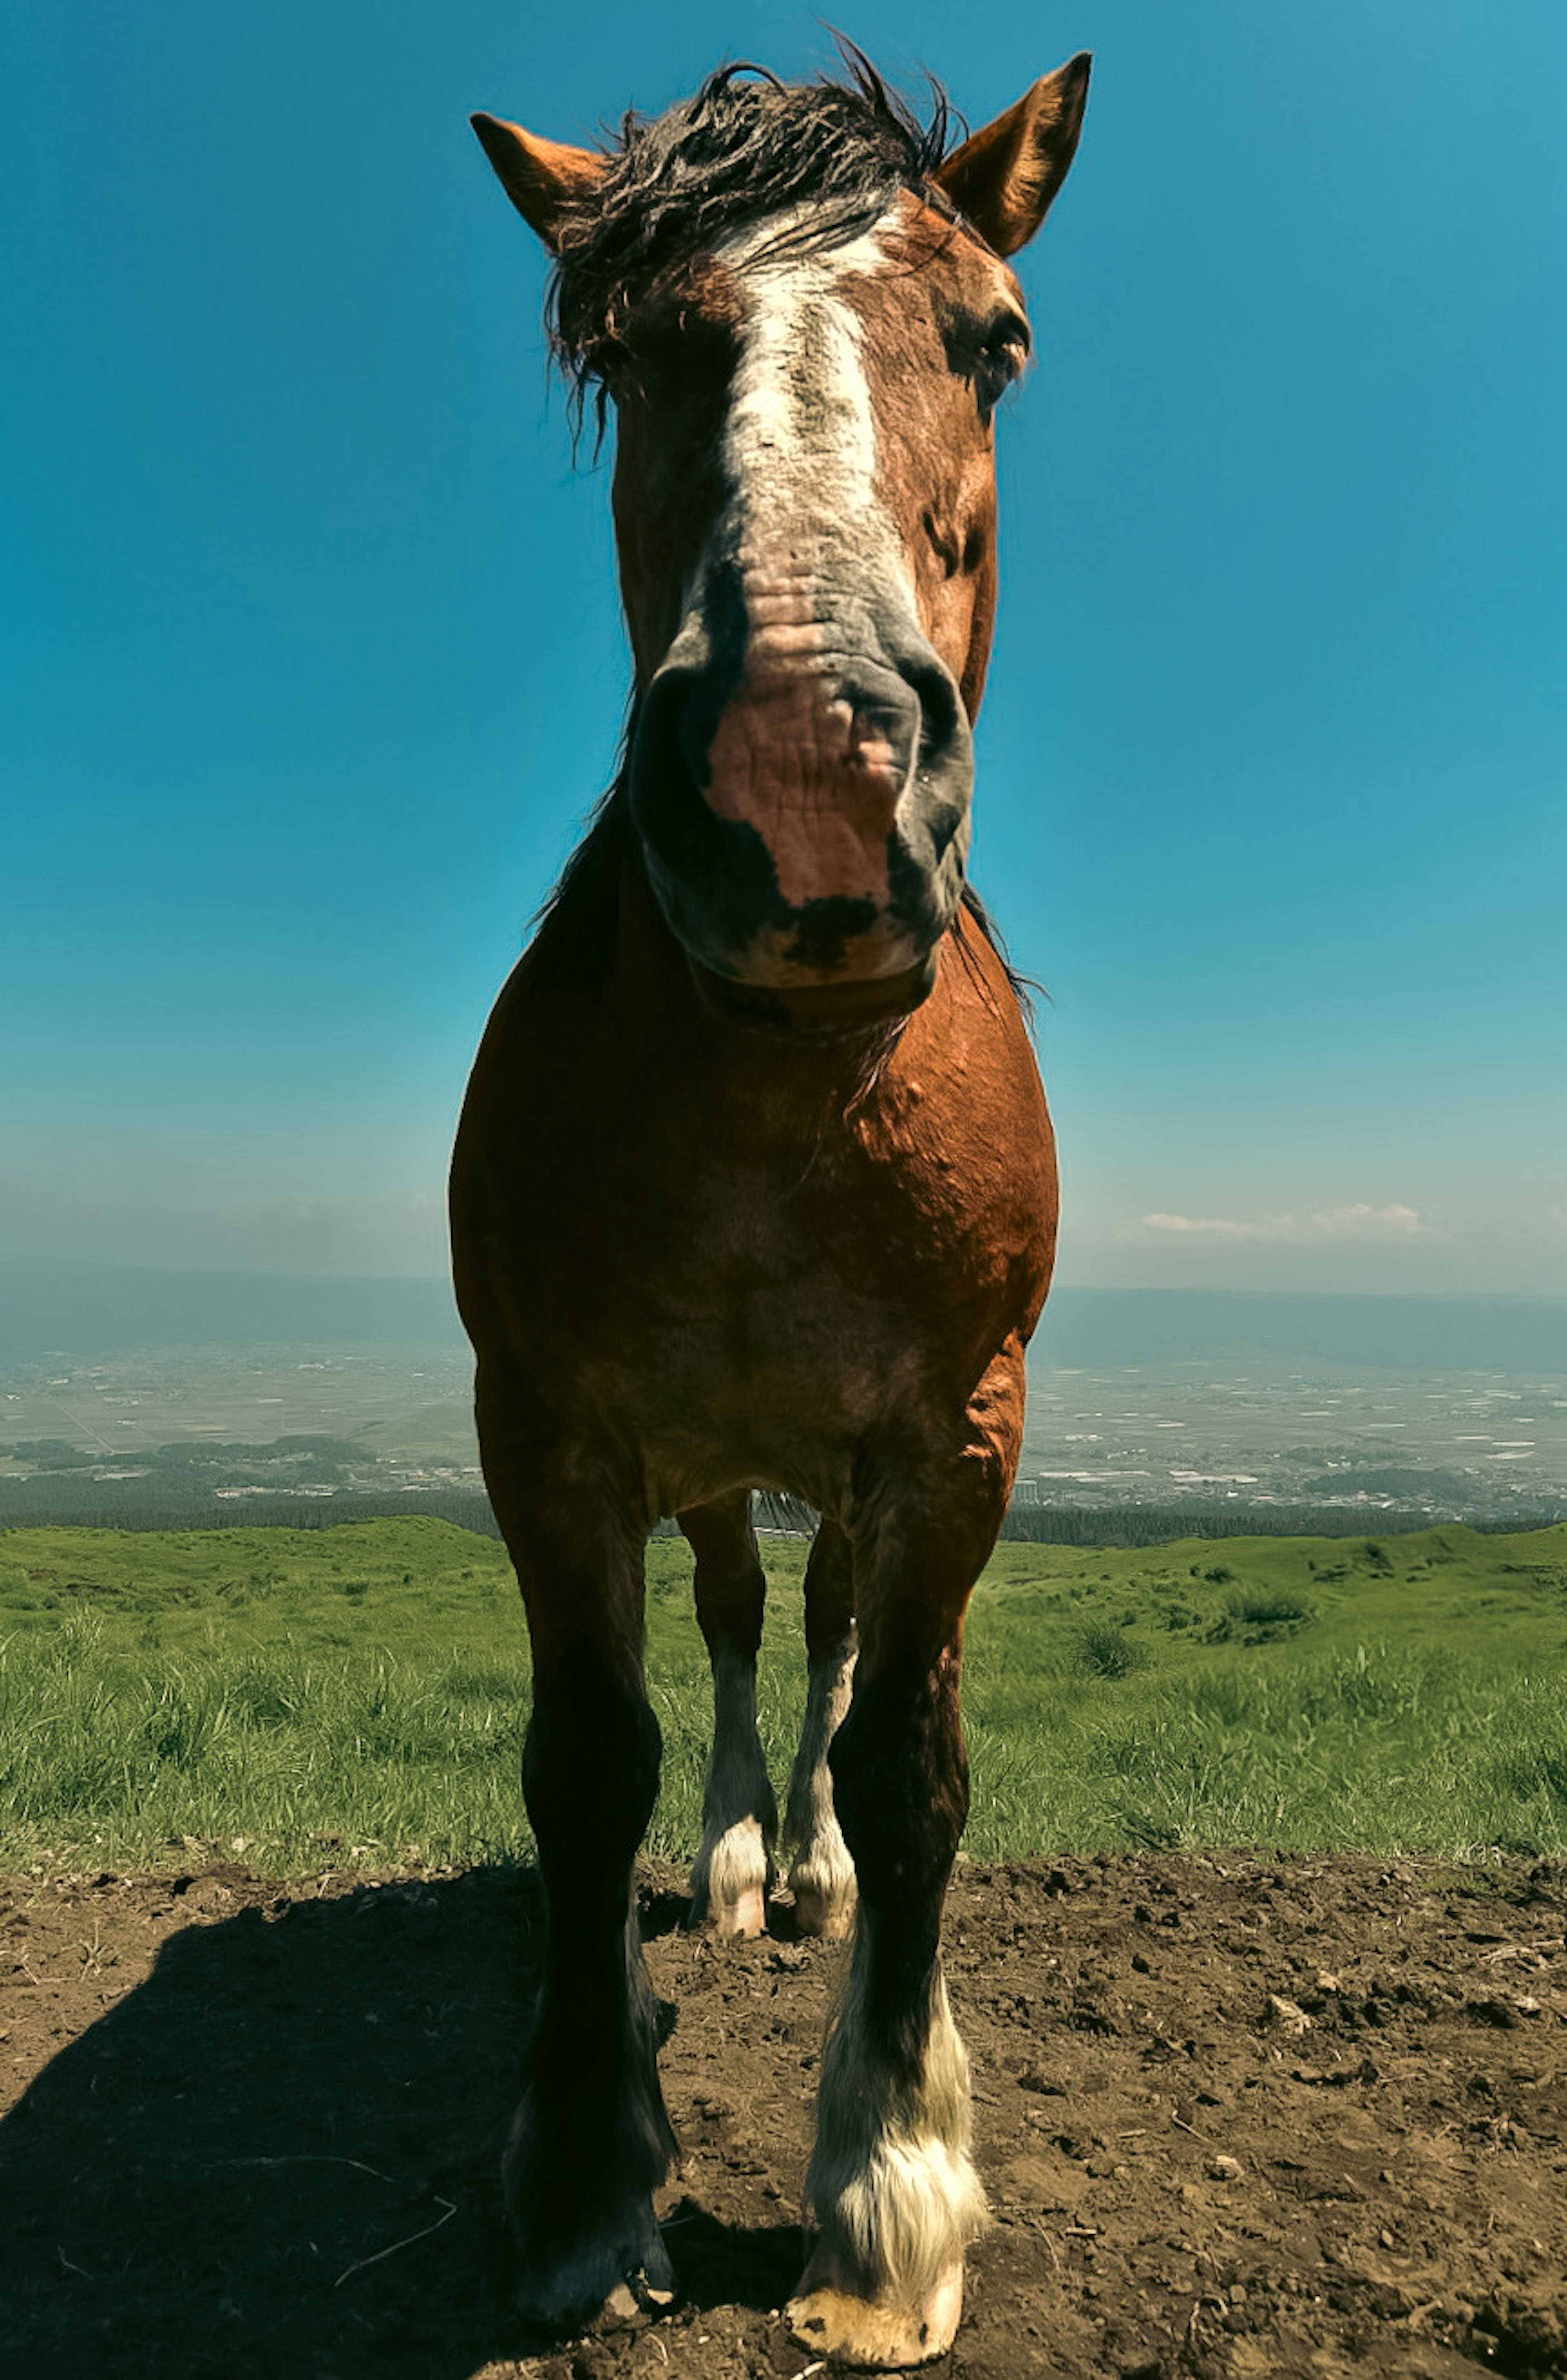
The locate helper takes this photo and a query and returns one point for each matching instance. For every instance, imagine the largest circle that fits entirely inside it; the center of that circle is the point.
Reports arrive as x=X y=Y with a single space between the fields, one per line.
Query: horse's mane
x=826 y=158
x=577 y=924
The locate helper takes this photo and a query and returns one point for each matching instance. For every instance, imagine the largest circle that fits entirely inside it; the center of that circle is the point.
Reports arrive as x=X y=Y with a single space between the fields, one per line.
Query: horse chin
x=815 y=1011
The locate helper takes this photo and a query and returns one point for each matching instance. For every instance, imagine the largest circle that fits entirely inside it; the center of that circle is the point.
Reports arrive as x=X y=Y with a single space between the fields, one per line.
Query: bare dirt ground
x=1264 y=2117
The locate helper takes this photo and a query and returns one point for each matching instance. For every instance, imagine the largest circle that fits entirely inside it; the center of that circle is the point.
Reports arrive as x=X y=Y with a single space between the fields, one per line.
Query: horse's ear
x=1004 y=176
x=543 y=179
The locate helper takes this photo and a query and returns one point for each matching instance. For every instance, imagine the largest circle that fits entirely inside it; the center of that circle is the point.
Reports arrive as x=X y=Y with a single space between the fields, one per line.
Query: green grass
x=358 y=1695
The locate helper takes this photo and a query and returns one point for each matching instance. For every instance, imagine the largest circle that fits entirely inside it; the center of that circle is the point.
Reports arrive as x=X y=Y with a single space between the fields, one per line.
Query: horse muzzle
x=805 y=818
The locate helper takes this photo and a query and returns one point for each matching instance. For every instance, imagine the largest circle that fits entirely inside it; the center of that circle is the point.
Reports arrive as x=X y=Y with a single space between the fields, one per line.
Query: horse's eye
x=1001 y=353
x=670 y=349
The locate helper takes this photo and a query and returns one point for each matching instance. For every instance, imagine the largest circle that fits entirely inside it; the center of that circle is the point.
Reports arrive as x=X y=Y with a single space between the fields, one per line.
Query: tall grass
x=289 y=1756
x=359 y=1696
x=1379 y=1751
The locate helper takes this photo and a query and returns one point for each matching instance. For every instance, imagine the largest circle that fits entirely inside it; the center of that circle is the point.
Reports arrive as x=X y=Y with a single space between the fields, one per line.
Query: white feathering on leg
x=822 y=1875
x=892 y=2184
x=730 y=1880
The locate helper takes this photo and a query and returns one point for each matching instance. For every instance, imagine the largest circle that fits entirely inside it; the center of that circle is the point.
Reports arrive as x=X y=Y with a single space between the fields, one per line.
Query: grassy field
x=358 y=1695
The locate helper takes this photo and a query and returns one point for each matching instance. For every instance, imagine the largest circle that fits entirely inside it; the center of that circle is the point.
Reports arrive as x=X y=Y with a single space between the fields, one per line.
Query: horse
x=753 y=1186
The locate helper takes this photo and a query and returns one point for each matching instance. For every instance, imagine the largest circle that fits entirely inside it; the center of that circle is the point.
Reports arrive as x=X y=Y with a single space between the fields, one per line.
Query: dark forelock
x=832 y=154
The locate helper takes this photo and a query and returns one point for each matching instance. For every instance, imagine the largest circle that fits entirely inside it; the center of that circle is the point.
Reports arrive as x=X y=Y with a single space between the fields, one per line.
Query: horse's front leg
x=733 y=1869
x=892 y=2187
x=591 y=2141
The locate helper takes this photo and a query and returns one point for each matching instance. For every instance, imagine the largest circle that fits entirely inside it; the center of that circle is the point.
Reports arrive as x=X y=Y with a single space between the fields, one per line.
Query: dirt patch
x=1280 y=2118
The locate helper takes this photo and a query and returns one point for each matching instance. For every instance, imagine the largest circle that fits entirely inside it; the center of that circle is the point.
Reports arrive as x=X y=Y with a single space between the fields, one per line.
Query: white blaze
x=799 y=445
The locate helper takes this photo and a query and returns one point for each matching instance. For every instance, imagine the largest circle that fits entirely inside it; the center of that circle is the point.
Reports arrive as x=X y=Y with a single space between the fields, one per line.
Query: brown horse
x=755 y=1183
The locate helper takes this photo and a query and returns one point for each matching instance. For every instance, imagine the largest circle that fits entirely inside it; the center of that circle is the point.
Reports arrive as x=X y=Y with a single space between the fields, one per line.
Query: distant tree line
x=74 y=1499
x=1154 y=1524
x=87 y=1503
x=1160 y=1524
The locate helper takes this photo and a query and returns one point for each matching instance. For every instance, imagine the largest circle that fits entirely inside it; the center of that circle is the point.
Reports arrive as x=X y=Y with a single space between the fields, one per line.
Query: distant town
x=208 y=1436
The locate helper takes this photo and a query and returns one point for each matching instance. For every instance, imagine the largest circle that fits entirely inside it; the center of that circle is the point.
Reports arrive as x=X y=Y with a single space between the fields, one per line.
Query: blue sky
x=313 y=661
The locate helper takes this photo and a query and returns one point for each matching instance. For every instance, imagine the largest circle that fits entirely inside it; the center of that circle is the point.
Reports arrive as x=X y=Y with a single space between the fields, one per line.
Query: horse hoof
x=631 y=2303
x=829 y=1917
x=738 y=1920
x=731 y=1881
x=867 y=2334
x=601 y=2289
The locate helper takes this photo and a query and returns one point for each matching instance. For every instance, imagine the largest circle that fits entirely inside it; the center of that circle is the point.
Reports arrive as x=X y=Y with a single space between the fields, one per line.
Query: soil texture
x=1241 y=2120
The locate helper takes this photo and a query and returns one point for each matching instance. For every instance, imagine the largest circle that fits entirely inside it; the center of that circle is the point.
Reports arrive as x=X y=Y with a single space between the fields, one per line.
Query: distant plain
x=103 y=1439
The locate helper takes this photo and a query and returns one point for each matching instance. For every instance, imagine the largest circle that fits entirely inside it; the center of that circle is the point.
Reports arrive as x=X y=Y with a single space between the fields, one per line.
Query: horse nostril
x=886 y=723
x=943 y=723
x=674 y=727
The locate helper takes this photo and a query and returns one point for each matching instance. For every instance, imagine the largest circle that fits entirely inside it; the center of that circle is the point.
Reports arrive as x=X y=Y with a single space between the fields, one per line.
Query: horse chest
x=775 y=1239
x=768 y=1317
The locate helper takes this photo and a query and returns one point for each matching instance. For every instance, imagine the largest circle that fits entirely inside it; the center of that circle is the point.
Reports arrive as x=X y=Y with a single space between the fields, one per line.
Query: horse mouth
x=815 y=1011
x=804 y=833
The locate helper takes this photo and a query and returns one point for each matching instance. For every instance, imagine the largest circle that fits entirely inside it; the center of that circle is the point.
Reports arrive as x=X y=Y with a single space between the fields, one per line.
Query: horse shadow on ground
x=280 y=2154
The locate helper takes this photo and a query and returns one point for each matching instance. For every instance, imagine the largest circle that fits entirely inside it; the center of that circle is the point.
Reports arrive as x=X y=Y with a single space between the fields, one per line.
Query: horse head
x=802 y=314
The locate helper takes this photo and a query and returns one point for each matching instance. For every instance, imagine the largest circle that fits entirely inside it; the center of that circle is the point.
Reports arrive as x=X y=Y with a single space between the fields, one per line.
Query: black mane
x=745 y=147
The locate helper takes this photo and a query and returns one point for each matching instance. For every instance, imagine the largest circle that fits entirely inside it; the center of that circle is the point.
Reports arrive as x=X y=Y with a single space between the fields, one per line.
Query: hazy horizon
x=90 y=1310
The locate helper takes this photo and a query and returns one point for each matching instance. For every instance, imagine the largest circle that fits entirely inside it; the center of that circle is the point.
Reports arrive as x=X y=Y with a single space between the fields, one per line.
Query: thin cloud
x=1358 y=1222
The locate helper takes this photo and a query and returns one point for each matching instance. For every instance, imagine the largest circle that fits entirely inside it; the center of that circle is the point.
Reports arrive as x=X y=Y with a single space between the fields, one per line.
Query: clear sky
x=312 y=660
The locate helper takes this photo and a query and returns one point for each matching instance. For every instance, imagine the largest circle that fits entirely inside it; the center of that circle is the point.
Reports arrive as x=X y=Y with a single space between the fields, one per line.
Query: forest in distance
x=177 y=1500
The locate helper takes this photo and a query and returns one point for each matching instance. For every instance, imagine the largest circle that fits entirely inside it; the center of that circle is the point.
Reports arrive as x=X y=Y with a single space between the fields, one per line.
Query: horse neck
x=793 y=1084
